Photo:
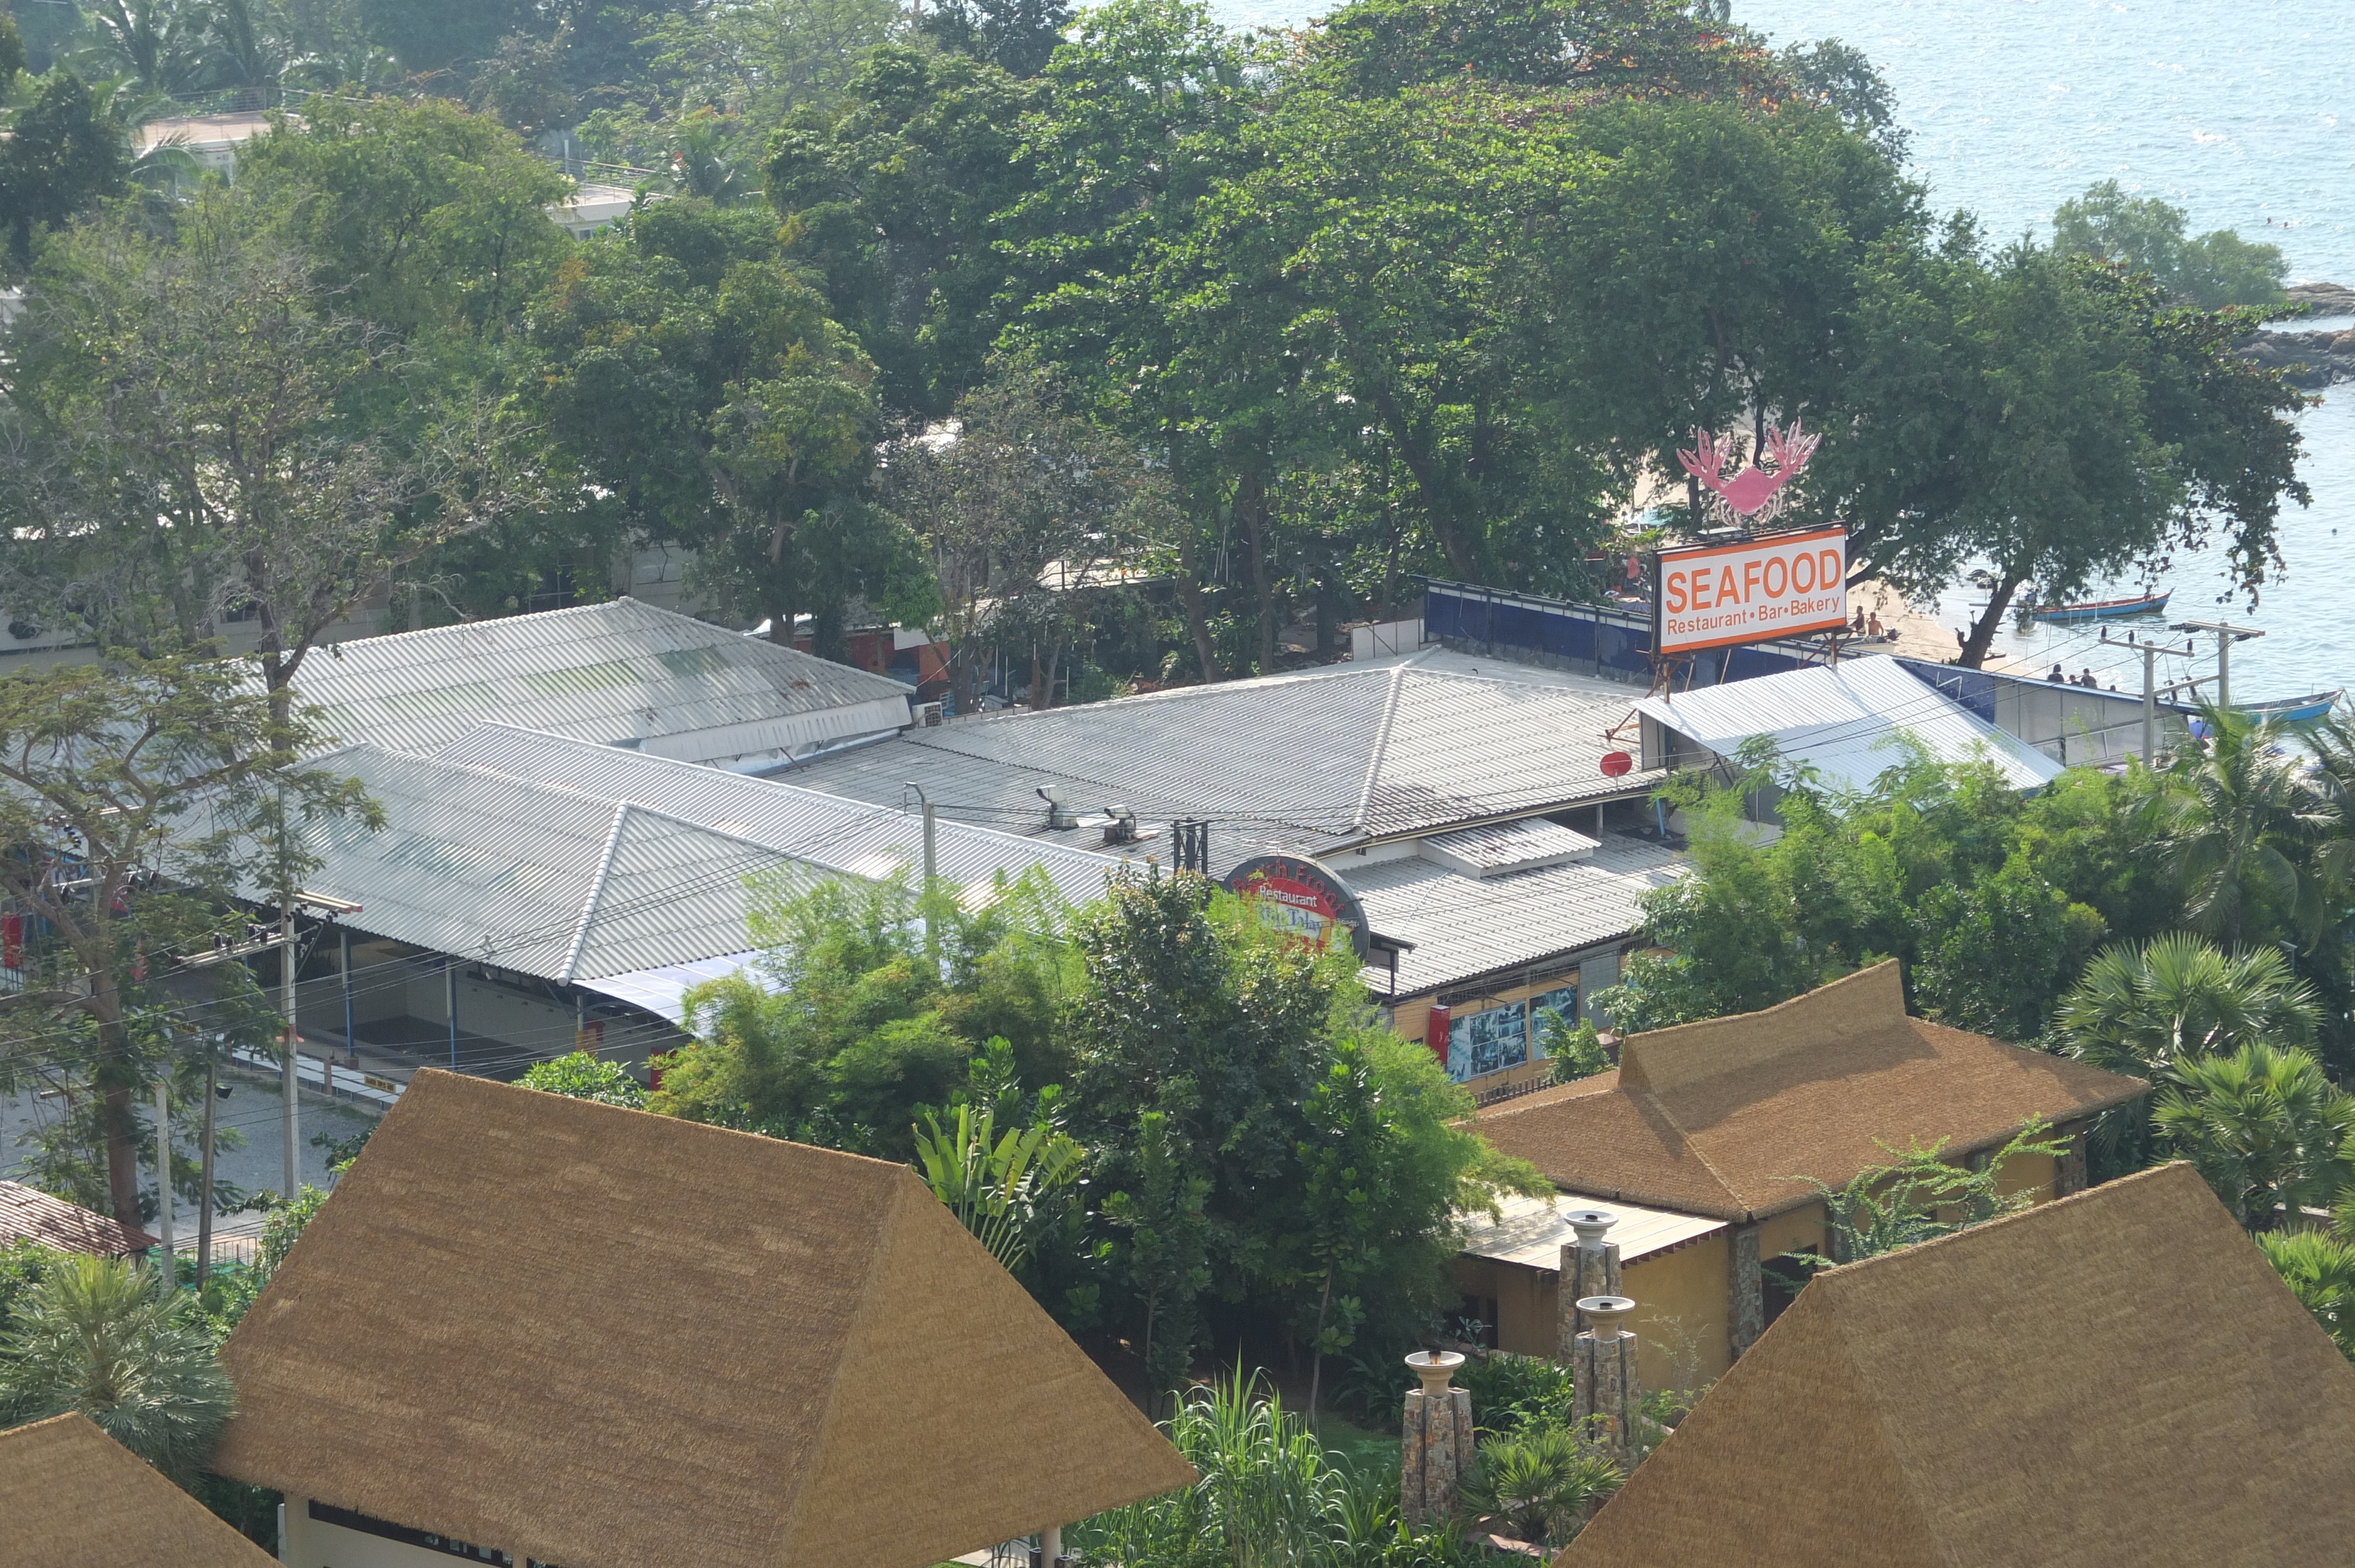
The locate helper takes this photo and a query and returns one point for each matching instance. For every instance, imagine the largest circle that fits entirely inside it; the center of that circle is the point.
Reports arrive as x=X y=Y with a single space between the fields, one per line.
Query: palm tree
x=93 y=1336
x=2236 y=816
x=161 y=44
x=1541 y=1484
x=2264 y=1127
x=2142 y=1010
x=2321 y=1269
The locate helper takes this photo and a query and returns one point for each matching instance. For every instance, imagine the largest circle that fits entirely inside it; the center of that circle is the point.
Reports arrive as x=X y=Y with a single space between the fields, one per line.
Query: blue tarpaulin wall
x=1587 y=638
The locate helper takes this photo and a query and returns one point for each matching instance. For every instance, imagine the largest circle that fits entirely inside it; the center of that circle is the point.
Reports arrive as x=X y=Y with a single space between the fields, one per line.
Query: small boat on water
x=2106 y=608
x=2295 y=710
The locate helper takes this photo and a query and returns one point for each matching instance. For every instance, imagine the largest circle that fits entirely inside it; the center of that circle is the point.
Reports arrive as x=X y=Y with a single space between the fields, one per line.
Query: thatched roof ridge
x=28 y=1213
x=2117 y=1377
x=70 y=1494
x=612 y=1339
x=1722 y=1118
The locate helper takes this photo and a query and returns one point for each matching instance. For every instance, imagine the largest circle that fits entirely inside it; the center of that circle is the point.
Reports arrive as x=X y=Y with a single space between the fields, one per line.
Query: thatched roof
x=1717 y=1118
x=2115 y=1378
x=70 y=1494
x=28 y=1213
x=613 y=1339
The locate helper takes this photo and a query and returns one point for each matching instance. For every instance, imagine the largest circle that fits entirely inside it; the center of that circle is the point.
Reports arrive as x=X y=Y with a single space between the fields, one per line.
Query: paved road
x=251 y=1110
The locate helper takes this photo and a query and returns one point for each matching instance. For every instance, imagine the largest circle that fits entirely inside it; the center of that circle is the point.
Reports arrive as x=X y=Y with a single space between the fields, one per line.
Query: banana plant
x=994 y=1183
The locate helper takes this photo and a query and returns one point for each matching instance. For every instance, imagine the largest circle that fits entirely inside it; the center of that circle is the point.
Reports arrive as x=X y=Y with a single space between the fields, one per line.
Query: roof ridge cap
x=1870 y=1395
x=1735 y=1198
x=580 y=943
x=859 y=1321
x=1985 y=1227
x=484 y=620
x=1381 y=748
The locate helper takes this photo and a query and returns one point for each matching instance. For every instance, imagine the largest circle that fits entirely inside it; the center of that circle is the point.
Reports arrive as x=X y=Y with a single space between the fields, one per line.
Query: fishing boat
x=2106 y=608
x=2295 y=710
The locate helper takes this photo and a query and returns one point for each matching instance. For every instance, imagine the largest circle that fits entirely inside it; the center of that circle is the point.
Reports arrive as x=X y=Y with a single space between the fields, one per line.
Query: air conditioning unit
x=928 y=714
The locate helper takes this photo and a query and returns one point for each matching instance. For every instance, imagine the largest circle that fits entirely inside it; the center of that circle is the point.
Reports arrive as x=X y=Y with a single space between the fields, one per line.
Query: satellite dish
x=1617 y=765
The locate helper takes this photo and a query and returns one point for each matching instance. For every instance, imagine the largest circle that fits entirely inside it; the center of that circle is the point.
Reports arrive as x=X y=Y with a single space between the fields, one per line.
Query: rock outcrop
x=2305 y=358
x=2308 y=359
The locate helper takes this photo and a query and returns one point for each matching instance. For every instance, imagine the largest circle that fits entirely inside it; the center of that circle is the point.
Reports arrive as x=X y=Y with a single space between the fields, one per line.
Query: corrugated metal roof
x=570 y=862
x=1843 y=721
x=1534 y=1231
x=1500 y=848
x=1303 y=762
x=1463 y=926
x=830 y=831
x=663 y=991
x=543 y=880
x=605 y=673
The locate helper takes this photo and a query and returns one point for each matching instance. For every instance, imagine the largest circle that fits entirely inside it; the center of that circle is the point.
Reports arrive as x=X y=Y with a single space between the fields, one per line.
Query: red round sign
x=1295 y=891
x=1617 y=764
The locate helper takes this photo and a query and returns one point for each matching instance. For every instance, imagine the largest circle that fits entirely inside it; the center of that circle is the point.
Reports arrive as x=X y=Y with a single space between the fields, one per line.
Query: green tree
x=418 y=218
x=1917 y=1196
x=895 y=200
x=697 y=391
x=2147 y=235
x=201 y=436
x=2054 y=417
x=2144 y=1008
x=2237 y=822
x=1164 y=1210
x=95 y=1337
x=582 y=1076
x=64 y=151
x=1147 y=109
x=868 y=1014
x=1540 y=1485
x=431 y=35
x=1333 y=1152
x=1016 y=36
x=2268 y=1132
x=1031 y=515
x=1993 y=899
x=2320 y=1266
x=771 y=57
x=160 y=45
x=996 y=1184
x=141 y=796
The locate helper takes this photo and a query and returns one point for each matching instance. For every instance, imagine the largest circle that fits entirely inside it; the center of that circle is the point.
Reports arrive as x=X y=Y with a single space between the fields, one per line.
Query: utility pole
x=2226 y=635
x=931 y=865
x=169 y=1273
x=2150 y=653
x=290 y=1121
x=205 y=1181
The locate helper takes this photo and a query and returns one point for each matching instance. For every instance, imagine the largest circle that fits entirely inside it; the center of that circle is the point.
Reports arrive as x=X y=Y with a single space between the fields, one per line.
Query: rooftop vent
x=1503 y=848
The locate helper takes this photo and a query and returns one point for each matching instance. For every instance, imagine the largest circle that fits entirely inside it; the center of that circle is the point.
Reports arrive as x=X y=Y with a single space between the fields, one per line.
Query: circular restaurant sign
x=1293 y=891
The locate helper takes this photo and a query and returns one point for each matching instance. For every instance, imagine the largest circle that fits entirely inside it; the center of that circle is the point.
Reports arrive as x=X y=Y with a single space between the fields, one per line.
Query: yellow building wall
x=1800 y=1230
x=1680 y=1316
x=1410 y=1015
x=2033 y=1174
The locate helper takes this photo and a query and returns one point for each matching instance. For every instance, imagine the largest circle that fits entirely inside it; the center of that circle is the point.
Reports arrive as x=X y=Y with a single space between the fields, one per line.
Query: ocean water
x=2240 y=112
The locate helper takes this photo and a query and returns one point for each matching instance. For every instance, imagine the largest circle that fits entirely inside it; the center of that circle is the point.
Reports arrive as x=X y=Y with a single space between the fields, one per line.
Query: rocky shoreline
x=2308 y=359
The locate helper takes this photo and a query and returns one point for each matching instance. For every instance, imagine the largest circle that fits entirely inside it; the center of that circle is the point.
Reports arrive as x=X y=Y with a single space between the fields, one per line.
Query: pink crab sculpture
x=1754 y=492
